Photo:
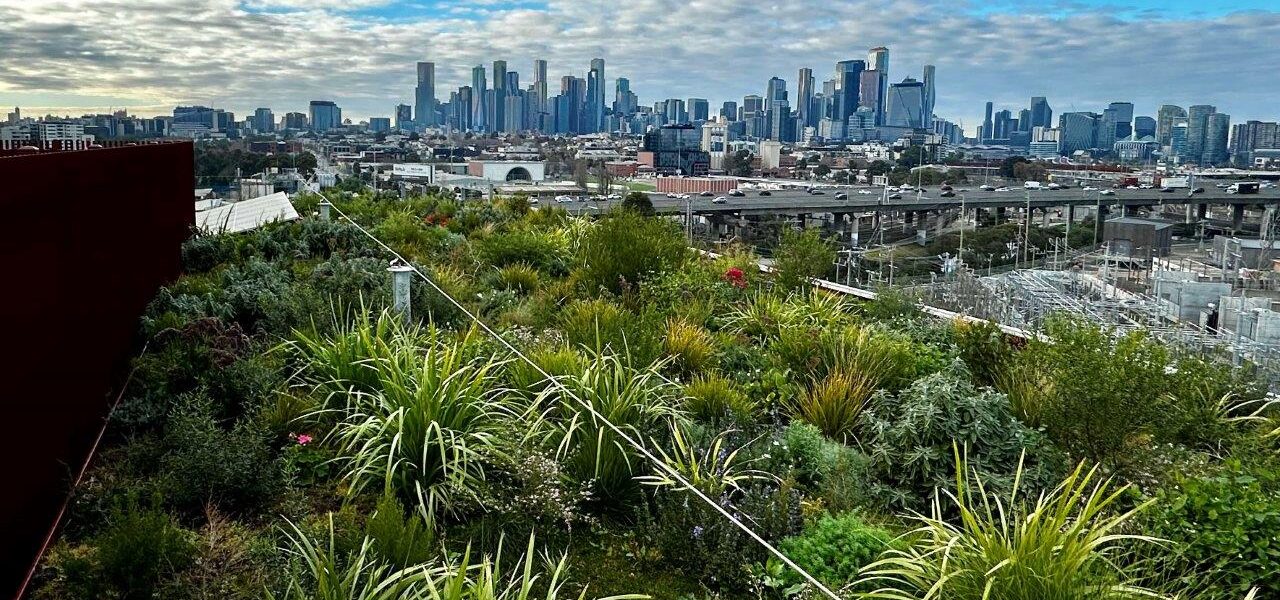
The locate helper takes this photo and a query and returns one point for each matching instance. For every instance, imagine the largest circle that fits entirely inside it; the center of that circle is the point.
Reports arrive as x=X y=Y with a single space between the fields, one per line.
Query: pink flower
x=304 y=439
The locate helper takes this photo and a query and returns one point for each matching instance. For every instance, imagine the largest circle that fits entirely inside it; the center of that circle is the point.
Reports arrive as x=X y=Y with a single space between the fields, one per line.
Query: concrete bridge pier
x=1237 y=216
x=1202 y=211
x=1000 y=215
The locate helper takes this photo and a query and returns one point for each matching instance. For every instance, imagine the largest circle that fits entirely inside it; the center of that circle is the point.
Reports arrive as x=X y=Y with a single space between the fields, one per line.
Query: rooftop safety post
x=401 y=276
x=324 y=210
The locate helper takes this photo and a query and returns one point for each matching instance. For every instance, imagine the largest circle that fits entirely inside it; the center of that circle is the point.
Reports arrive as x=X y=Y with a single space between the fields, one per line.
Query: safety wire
x=661 y=464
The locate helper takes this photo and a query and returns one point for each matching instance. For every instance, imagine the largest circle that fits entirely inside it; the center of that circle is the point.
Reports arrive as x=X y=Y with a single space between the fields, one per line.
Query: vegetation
x=287 y=436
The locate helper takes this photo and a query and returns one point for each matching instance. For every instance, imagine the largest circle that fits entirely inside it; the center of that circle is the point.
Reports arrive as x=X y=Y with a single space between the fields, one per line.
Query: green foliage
x=520 y=277
x=639 y=203
x=399 y=540
x=835 y=403
x=405 y=232
x=1225 y=533
x=626 y=249
x=801 y=256
x=690 y=347
x=555 y=361
x=602 y=326
x=543 y=251
x=911 y=437
x=835 y=548
x=712 y=469
x=984 y=350
x=1059 y=546
x=234 y=469
x=836 y=474
x=713 y=398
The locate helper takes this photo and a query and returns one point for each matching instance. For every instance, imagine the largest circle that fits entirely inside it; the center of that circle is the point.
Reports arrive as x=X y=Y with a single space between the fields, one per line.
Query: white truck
x=1175 y=183
x=1031 y=185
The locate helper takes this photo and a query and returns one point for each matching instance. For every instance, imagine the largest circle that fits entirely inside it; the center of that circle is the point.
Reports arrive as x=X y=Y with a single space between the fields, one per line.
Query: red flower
x=736 y=277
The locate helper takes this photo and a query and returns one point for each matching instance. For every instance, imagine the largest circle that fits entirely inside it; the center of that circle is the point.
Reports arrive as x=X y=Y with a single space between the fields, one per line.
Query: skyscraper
x=1165 y=119
x=1197 y=125
x=325 y=115
x=595 y=96
x=848 y=81
x=1077 y=131
x=424 y=96
x=264 y=121
x=729 y=110
x=804 y=97
x=1041 y=113
x=905 y=104
x=878 y=60
x=479 y=99
x=699 y=109
x=404 y=116
x=1144 y=127
x=775 y=92
x=1215 y=139
x=1002 y=123
x=1252 y=135
x=498 y=110
x=1024 y=120
x=988 y=126
x=930 y=96
x=540 y=91
x=871 y=91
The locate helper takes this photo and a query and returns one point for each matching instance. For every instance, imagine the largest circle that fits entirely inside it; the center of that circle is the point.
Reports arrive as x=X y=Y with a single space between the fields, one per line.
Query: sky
x=78 y=56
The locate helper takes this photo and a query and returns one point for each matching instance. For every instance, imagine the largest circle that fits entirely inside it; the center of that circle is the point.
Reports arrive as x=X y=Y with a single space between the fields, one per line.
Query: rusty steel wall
x=87 y=237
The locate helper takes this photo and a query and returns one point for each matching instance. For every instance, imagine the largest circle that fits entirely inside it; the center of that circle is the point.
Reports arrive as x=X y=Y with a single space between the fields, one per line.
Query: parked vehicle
x=1106 y=192
x=987 y=188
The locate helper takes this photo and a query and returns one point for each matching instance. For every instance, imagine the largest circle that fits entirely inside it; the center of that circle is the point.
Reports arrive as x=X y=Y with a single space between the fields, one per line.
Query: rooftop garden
x=286 y=434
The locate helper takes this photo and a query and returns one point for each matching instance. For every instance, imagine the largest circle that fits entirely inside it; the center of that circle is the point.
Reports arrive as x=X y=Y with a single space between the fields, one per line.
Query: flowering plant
x=736 y=277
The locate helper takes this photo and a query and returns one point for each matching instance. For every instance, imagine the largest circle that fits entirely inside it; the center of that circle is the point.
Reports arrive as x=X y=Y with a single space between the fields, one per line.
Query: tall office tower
x=404 y=116
x=878 y=60
x=752 y=105
x=1165 y=119
x=595 y=96
x=781 y=126
x=699 y=109
x=479 y=99
x=776 y=91
x=461 y=108
x=295 y=120
x=513 y=113
x=1215 y=139
x=804 y=98
x=498 y=122
x=264 y=121
x=676 y=112
x=1178 y=140
x=1120 y=126
x=873 y=86
x=569 y=116
x=424 y=96
x=1024 y=120
x=988 y=126
x=540 y=80
x=905 y=104
x=625 y=101
x=1077 y=131
x=1197 y=125
x=325 y=115
x=1002 y=125
x=729 y=110
x=848 y=78
x=1041 y=113
x=1144 y=127
x=930 y=96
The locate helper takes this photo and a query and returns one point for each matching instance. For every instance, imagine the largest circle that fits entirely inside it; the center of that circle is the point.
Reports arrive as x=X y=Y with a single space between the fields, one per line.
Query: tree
x=822 y=170
x=801 y=256
x=1029 y=171
x=738 y=163
x=1006 y=167
x=877 y=168
x=639 y=203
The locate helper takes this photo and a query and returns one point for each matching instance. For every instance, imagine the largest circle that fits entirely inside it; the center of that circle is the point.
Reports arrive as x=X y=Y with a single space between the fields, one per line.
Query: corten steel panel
x=86 y=239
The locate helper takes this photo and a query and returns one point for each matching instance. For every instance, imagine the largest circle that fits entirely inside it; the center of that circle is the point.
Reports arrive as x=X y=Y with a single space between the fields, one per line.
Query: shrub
x=835 y=548
x=626 y=249
x=204 y=251
x=399 y=540
x=524 y=246
x=521 y=277
x=711 y=468
x=801 y=256
x=834 y=404
x=836 y=474
x=1225 y=531
x=911 y=436
x=884 y=359
x=233 y=469
x=556 y=361
x=984 y=350
x=761 y=316
x=1059 y=546
x=639 y=203
x=604 y=327
x=691 y=347
x=713 y=398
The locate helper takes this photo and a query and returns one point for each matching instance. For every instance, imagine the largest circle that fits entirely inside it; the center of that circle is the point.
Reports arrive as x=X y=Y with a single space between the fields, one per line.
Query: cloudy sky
x=74 y=56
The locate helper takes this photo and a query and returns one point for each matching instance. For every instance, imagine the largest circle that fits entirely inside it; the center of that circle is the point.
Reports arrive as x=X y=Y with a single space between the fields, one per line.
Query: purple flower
x=697 y=532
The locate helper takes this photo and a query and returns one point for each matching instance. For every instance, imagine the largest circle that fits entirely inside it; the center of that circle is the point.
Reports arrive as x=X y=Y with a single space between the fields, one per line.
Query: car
x=948 y=194
x=906 y=188
x=1003 y=189
x=766 y=193
x=706 y=194
x=1198 y=191
x=736 y=193
x=1130 y=187
x=671 y=195
x=1165 y=190
x=1106 y=192
x=1055 y=186
x=533 y=201
x=895 y=196
x=1089 y=188
x=683 y=197
x=842 y=196
x=1146 y=186
x=563 y=199
x=988 y=188
x=719 y=200
x=1223 y=186
x=946 y=188
x=865 y=192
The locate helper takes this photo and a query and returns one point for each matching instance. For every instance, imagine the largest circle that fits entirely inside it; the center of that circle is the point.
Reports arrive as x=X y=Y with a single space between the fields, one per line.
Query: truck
x=1031 y=185
x=1244 y=187
x=1175 y=183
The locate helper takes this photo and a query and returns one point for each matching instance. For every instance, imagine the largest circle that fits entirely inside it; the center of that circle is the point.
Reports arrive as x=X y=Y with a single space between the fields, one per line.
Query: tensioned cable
x=591 y=409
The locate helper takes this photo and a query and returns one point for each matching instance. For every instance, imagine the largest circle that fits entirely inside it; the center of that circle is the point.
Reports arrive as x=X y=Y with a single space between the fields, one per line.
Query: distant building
x=715 y=138
x=295 y=120
x=404 y=116
x=325 y=115
x=1077 y=131
x=1215 y=140
x=905 y=104
x=1197 y=126
x=1144 y=127
x=1165 y=119
x=424 y=95
x=1041 y=113
x=699 y=109
x=1251 y=136
x=675 y=150
x=379 y=124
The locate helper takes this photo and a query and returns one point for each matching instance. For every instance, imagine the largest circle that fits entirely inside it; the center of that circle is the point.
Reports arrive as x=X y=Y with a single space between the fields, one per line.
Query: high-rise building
x=479 y=99
x=1215 y=140
x=1117 y=124
x=379 y=124
x=1197 y=126
x=699 y=109
x=752 y=105
x=325 y=115
x=1041 y=113
x=1003 y=125
x=1178 y=140
x=677 y=113
x=540 y=91
x=264 y=121
x=930 y=96
x=1077 y=131
x=424 y=96
x=873 y=86
x=295 y=120
x=729 y=110
x=1165 y=119
x=1024 y=120
x=804 y=97
x=1144 y=127
x=848 y=78
x=1253 y=135
x=595 y=96
x=625 y=101
x=404 y=116
x=775 y=92
x=781 y=125
x=988 y=125
x=500 y=91
x=878 y=60
x=905 y=104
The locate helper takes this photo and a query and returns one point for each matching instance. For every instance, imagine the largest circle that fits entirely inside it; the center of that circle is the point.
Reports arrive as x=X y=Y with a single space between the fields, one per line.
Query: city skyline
x=1187 y=67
